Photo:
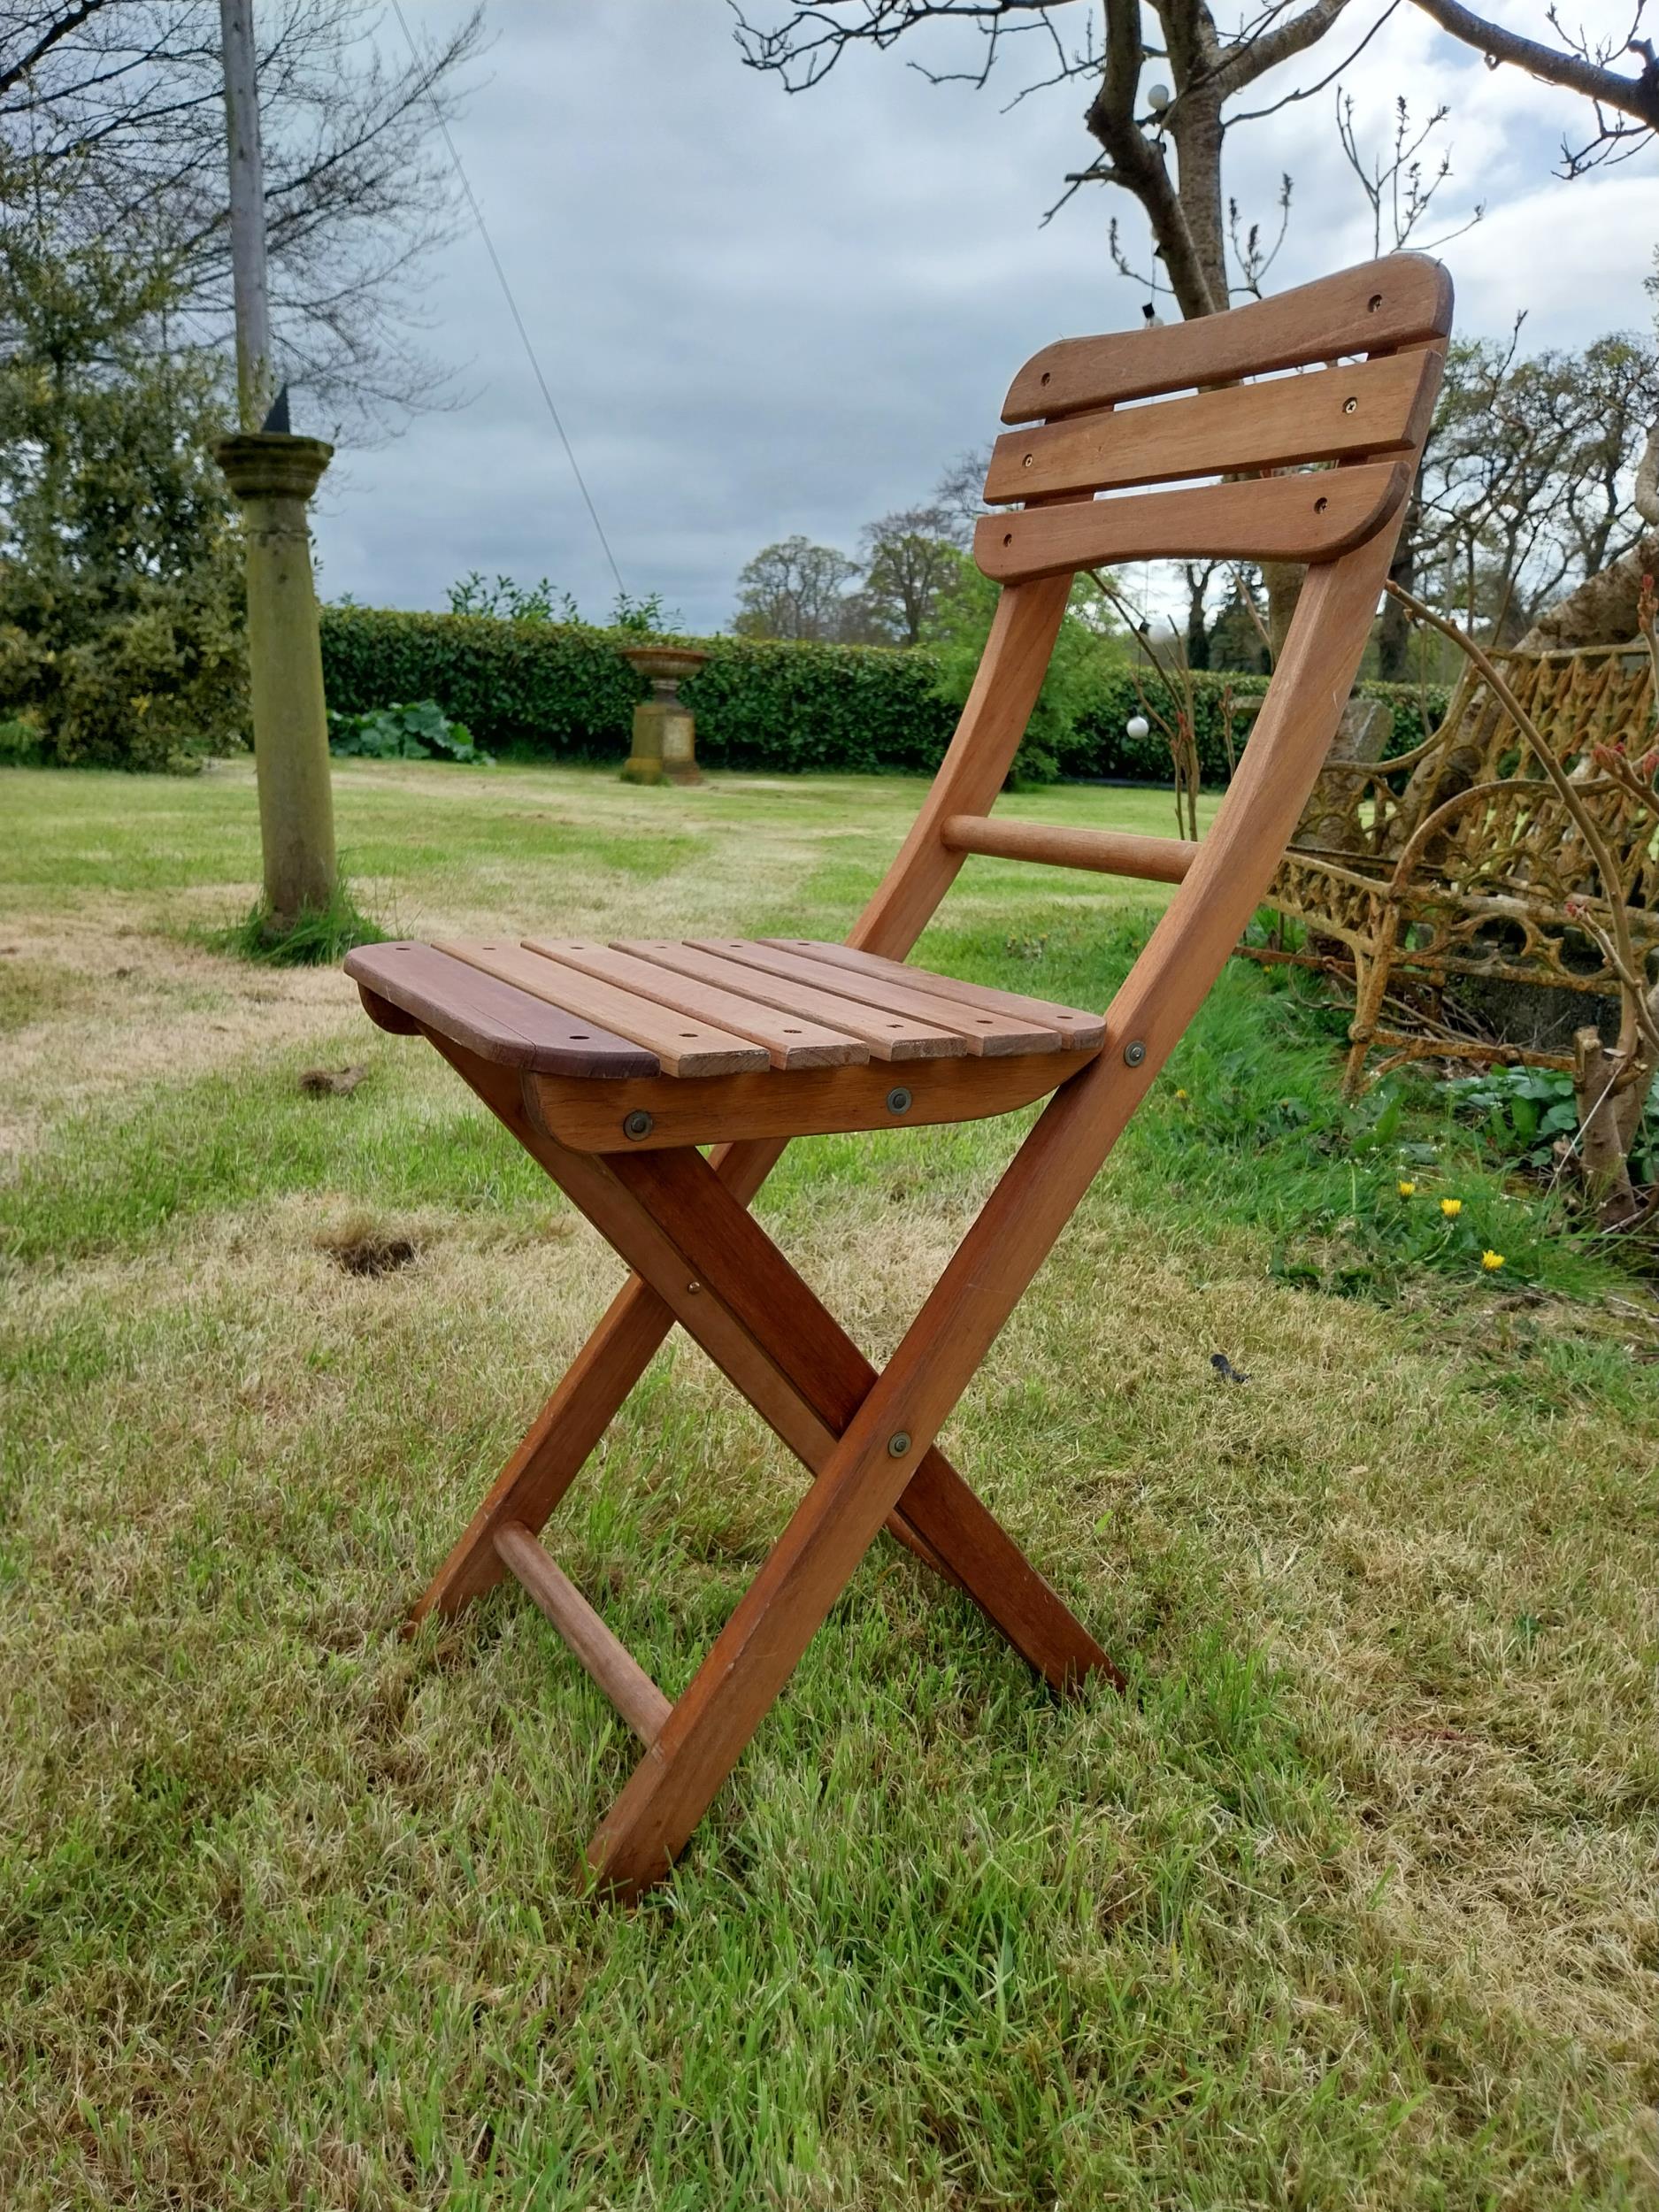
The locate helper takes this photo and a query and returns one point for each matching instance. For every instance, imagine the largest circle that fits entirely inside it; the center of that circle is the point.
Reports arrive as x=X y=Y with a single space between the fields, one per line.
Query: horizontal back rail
x=1104 y=852
x=1405 y=299
x=1313 y=517
x=1371 y=407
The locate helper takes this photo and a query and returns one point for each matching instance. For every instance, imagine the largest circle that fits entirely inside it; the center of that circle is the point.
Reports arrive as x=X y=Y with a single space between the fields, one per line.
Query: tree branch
x=1637 y=96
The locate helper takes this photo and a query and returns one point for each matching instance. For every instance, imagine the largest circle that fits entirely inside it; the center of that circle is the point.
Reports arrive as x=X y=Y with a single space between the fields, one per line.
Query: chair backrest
x=1368 y=415
x=1347 y=372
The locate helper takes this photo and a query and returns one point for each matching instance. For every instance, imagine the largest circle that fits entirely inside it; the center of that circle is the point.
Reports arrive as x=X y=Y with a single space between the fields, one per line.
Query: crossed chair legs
x=700 y=1258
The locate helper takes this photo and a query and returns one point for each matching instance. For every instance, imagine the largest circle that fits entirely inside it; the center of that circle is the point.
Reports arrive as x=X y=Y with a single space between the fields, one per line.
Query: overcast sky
x=761 y=314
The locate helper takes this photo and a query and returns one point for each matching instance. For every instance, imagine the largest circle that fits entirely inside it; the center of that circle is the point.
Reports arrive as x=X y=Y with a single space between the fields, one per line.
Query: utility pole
x=254 y=384
x=274 y=475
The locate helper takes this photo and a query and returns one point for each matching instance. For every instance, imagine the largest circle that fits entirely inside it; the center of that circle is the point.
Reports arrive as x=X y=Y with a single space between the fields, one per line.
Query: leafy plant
x=1527 y=1111
x=644 y=617
x=1524 y=1109
x=508 y=601
x=121 y=642
x=418 y=730
x=20 y=741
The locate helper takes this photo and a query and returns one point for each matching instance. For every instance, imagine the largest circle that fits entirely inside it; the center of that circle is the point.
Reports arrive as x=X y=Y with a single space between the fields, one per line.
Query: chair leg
x=742 y=1268
x=807 y=1380
x=761 y=1325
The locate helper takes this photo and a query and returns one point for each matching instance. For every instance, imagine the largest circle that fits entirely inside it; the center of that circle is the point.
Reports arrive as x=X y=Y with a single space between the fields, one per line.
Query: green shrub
x=418 y=730
x=121 y=640
x=1089 y=649
x=562 y=691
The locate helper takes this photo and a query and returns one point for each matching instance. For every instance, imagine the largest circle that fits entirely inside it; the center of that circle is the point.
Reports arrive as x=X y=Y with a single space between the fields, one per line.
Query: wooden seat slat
x=1371 y=407
x=1078 y=1031
x=684 y=1047
x=985 y=1032
x=790 y=1040
x=889 y=1035
x=509 y=1027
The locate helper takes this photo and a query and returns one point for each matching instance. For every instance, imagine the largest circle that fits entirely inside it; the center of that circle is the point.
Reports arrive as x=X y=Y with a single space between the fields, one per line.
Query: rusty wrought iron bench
x=1455 y=867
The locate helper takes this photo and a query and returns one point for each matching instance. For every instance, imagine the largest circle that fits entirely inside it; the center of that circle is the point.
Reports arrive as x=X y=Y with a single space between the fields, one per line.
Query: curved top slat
x=1405 y=299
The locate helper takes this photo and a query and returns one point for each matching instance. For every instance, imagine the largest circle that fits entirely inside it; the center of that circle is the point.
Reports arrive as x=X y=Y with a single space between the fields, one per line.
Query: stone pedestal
x=274 y=475
x=664 y=729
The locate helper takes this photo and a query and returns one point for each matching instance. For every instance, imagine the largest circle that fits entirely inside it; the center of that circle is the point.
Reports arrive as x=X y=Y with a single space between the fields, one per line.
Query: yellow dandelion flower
x=1181 y=1094
x=1451 y=1208
x=1407 y=1190
x=1492 y=1262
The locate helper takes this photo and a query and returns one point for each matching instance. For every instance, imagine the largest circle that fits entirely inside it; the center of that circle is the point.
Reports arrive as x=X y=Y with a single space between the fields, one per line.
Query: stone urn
x=665 y=730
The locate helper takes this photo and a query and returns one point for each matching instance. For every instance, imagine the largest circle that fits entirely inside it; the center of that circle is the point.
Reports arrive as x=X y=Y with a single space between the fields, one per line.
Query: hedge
x=564 y=692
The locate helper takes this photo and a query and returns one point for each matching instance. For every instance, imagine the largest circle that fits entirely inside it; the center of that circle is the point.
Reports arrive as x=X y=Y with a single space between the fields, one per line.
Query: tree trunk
x=1603 y=610
x=1283 y=579
x=1606 y=1126
x=1197 y=635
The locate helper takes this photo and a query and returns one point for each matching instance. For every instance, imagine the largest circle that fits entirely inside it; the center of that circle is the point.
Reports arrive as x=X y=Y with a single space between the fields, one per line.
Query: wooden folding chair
x=612 y=1063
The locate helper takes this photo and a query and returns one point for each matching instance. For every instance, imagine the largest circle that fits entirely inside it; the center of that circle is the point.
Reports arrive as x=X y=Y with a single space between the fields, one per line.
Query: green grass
x=318 y=936
x=1352 y=1901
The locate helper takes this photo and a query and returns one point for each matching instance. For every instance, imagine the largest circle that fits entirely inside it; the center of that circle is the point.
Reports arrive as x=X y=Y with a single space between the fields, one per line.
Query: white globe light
x=1158 y=98
x=1136 y=726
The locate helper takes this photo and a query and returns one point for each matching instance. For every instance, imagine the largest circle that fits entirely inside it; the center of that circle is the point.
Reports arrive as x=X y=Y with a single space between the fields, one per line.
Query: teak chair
x=611 y=1064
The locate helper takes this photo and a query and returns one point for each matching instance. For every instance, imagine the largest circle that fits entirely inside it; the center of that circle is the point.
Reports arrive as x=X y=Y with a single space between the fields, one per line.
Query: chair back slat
x=1405 y=299
x=1372 y=407
x=1310 y=517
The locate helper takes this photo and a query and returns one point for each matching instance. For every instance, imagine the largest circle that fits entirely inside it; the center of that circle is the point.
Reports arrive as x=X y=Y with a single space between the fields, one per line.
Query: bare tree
x=1165 y=146
x=1626 y=106
x=794 y=589
x=1528 y=478
x=1167 y=157
x=959 y=495
x=1399 y=189
x=909 y=560
x=111 y=121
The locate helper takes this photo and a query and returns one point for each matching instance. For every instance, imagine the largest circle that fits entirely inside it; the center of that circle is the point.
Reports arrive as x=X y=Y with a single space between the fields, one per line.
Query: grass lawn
x=1352 y=1901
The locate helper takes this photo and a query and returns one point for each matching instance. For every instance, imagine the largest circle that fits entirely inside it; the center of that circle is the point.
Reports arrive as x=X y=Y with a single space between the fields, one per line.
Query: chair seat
x=731 y=1035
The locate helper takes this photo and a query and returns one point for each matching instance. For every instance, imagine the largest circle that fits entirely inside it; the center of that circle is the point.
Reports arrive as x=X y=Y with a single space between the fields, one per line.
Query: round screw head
x=637 y=1125
x=1135 y=1054
x=899 y=1444
x=899 y=1100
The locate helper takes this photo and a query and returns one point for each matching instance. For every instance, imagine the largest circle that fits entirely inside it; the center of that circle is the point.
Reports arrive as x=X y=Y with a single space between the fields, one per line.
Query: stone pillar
x=664 y=742
x=274 y=475
x=665 y=730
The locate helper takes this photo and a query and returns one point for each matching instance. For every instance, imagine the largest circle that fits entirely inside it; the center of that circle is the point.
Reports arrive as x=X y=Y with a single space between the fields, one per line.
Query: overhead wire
x=512 y=309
